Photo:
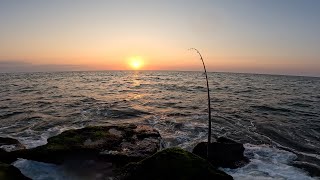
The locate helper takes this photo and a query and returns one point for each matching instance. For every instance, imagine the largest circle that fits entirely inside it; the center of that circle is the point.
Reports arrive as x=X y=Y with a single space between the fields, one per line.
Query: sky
x=250 y=36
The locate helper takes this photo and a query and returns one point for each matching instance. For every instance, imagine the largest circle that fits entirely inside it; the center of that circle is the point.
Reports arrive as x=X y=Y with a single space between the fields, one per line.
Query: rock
x=10 y=144
x=9 y=172
x=173 y=163
x=116 y=143
x=6 y=145
x=223 y=153
x=7 y=157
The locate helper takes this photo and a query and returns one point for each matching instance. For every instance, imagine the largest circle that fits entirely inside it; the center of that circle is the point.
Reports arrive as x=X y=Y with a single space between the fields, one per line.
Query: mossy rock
x=173 y=163
x=118 y=143
x=9 y=172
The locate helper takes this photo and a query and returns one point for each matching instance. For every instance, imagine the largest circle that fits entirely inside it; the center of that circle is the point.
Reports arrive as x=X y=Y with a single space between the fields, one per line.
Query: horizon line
x=113 y=70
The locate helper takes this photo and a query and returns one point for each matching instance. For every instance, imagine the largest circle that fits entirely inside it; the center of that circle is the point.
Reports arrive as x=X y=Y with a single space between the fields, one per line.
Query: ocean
x=276 y=117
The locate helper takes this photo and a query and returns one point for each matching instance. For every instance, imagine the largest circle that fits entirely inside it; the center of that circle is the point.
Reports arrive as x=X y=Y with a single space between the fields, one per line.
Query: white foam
x=33 y=140
x=268 y=163
x=8 y=148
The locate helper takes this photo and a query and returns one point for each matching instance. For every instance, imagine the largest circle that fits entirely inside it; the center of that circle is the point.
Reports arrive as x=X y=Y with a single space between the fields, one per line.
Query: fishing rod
x=209 y=105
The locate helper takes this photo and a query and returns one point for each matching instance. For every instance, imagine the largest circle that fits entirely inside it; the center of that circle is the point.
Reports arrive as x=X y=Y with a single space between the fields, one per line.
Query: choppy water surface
x=277 y=116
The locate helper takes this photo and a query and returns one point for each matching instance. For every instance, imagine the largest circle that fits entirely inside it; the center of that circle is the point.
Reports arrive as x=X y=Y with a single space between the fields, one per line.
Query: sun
x=136 y=62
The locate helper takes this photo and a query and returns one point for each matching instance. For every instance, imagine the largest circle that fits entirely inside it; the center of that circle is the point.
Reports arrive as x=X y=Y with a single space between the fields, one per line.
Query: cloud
x=21 y=66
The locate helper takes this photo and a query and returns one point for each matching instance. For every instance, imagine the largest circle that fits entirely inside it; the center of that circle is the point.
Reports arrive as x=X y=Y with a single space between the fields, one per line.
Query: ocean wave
x=122 y=113
x=271 y=109
x=268 y=163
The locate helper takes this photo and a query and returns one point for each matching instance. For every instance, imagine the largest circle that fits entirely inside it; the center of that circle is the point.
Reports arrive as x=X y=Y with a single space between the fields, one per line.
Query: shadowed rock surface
x=9 y=172
x=119 y=143
x=173 y=163
x=9 y=144
x=7 y=157
x=223 y=153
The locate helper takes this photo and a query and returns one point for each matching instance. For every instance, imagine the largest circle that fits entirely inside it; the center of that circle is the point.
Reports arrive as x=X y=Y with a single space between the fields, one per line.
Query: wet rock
x=116 y=143
x=145 y=132
x=223 y=153
x=10 y=144
x=173 y=163
x=6 y=157
x=6 y=145
x=115 y=132
x=9 y=172
x=144 y=141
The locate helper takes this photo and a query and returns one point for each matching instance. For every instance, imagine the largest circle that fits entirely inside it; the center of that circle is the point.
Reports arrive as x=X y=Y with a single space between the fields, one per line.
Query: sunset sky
x=254 y=36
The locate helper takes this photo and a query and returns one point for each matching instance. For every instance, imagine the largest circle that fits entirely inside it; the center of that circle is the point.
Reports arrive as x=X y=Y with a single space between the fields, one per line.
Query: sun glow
x=136 y=62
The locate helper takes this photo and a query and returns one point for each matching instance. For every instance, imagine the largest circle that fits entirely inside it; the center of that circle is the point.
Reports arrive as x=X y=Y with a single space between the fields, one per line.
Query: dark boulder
x=10 y=144
x=121 y=144
x=6 y=145
x=7 y=157
x=173 y=163
x=9 y=172
x=223 y=153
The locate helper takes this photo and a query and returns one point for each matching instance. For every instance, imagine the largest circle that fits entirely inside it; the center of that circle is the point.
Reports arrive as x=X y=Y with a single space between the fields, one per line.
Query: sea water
x=276 y=117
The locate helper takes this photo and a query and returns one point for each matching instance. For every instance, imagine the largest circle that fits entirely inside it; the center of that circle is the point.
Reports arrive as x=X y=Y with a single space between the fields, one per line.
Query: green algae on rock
x=121 y=143
x=173 y=163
